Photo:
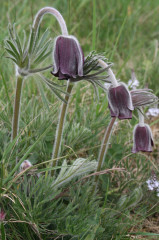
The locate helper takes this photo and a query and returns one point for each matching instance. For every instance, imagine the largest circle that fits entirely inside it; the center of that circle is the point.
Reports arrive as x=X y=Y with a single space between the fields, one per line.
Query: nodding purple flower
x=2 y=215
x=142 y=138
x=68 y=58
x=120 y=102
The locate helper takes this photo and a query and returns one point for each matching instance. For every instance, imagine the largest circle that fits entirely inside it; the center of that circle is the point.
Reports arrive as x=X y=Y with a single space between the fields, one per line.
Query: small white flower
x=133 y=83
x=154 y=112
x=152 y=184
x=157 y=192
x=156 y=184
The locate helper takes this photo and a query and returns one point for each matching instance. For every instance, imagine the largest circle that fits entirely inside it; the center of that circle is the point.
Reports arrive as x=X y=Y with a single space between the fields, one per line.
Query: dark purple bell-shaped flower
x=120 y=102
x=142 y=138
x=68 y=58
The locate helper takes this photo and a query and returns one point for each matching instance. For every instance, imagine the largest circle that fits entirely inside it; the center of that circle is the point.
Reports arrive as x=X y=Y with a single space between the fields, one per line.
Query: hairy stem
x=103 y=149
x=105 y=142
x=60 y=127
x=141 y=117
x=16 y=113
x=112 y=77
x=38 y=18
x=55 y=13
x=59 y=130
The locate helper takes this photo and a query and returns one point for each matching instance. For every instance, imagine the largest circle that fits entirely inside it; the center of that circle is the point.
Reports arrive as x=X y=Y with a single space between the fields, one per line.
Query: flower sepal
x=142 y=138
x=120 y=101
x=68 y=58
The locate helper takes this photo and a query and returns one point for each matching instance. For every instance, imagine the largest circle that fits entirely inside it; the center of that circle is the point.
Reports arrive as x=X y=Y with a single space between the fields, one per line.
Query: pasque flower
x=68 y=58
x=143 y=140
x=119 y=98
x=120 y=102
x=142 y=135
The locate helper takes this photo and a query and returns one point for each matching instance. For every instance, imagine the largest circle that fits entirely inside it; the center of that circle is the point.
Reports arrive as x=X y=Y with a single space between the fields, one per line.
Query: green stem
x=103 y=149
x=16 y=112
x=60 y=127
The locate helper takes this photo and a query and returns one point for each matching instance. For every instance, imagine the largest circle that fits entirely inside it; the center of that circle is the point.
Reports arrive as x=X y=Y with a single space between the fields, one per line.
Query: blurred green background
x=126 y=30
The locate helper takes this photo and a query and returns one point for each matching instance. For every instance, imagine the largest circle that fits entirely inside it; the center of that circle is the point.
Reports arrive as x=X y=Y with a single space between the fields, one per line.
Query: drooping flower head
x=142 y=139
x=120 y=102
x=68 y=58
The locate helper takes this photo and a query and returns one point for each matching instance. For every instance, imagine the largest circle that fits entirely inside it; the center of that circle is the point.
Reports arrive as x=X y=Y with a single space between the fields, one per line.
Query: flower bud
x=120 y=102
x=68 y=58
x=143 y=97
x=142 y=139
x=2 y=215
x=26 y=164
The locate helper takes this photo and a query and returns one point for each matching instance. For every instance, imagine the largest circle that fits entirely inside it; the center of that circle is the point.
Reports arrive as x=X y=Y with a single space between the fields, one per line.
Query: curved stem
x=16 y=112
x=141 y=117
x=61 y=21
x=112 y=77
x=103 y=149
x=55 y=13
x=60 y=127
x=37 y=20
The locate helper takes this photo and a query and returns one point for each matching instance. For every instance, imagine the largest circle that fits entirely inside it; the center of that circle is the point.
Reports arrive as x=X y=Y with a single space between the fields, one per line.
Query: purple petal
x=68 y=58
x=142 y=139
x=120 y=102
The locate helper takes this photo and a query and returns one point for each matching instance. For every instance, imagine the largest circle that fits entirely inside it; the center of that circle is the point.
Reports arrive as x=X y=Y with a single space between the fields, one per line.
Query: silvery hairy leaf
x=79 y=167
